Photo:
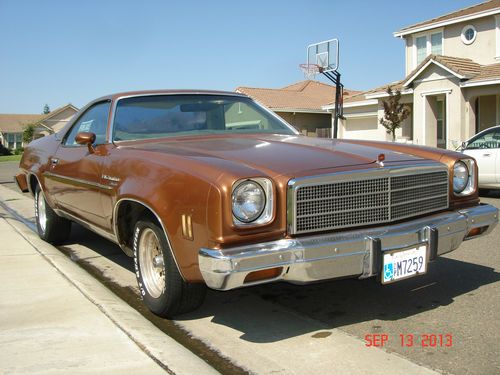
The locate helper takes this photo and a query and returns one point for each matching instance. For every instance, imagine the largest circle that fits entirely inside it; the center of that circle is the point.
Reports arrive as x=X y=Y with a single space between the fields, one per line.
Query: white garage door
x=364 y=128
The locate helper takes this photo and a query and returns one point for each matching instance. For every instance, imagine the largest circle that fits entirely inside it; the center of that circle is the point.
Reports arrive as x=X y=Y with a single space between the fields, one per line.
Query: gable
x=435 y=72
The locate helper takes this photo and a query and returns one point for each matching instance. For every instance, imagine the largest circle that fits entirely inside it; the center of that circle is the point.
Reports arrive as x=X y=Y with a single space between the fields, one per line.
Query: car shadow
x=273 y=312
x=489 y=193
x=339 y=303
x=81 y=236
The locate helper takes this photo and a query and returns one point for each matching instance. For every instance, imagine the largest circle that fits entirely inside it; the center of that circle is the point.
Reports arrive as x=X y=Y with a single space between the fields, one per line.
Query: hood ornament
x=380 y=160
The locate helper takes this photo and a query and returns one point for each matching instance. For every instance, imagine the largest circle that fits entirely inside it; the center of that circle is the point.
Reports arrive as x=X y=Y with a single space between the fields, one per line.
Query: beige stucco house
x=452 y=81
x=12 y=125
x=300 y=104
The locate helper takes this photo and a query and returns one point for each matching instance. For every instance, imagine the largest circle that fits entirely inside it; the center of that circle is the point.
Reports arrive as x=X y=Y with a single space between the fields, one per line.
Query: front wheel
x=51 y=228
x=161 y=286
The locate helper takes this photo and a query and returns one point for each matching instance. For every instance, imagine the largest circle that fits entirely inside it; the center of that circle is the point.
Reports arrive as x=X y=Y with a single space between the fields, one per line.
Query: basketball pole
x=334 y=76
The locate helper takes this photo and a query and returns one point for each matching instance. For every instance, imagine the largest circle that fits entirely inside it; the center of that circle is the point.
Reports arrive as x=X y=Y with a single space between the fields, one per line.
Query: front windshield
x=159 y=116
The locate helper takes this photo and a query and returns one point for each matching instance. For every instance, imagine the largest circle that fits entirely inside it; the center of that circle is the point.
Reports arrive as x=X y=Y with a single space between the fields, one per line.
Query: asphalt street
x=458 y=300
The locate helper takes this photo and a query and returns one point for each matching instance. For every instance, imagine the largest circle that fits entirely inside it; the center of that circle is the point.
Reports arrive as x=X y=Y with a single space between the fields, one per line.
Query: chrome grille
x=365 y=198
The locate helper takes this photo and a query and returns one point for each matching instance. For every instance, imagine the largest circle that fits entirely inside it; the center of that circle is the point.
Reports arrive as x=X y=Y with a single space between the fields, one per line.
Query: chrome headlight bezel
x=470 y=184
x=265 y=215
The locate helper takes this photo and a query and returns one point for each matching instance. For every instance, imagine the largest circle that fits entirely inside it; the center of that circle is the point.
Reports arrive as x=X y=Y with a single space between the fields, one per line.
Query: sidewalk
x=55 y=318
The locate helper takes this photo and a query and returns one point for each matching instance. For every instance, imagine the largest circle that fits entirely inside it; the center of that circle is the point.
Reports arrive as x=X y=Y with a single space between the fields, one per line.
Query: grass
x=10 y=158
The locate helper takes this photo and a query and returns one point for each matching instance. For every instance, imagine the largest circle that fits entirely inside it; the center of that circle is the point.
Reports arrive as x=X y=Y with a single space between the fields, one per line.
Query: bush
x=18 y=151
x=4 y=151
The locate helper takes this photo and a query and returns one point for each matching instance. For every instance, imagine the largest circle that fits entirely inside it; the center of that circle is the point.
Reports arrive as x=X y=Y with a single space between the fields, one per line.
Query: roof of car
x=168 y=92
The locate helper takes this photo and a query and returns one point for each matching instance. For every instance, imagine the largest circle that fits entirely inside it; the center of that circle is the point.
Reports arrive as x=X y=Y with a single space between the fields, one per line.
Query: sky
x=60 y=52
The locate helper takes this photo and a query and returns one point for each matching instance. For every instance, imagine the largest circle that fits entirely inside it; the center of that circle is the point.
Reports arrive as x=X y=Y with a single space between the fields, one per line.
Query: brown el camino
x=208 y=188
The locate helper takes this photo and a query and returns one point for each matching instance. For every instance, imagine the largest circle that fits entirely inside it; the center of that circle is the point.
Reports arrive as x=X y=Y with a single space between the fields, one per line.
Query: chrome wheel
x=151 y=263
x=41 y=212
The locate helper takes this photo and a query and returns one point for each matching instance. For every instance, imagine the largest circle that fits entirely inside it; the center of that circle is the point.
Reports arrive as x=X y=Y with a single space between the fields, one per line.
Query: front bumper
x=356 y=253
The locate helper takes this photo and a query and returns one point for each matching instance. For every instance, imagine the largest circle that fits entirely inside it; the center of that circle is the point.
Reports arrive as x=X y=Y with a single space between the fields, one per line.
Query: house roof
x=57 y=111
x=472 y=12
x=487 y=73
x=459 y=67
x=13 y=123
x=305 y=95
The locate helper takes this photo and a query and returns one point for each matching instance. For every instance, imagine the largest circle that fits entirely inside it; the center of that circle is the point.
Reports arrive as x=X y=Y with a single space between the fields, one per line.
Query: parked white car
x=485 y=148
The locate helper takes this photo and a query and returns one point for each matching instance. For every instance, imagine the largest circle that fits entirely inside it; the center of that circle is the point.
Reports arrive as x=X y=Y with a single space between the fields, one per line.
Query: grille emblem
x=380 y=160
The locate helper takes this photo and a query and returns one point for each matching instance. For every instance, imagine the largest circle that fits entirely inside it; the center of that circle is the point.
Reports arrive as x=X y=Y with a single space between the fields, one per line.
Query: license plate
x=402 y=264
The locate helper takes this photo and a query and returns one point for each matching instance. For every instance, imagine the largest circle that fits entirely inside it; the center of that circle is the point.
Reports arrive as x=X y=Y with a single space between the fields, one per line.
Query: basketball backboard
x=324 y=54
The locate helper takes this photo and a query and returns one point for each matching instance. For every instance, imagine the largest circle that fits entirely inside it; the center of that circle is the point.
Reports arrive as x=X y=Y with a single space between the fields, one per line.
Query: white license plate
x=402 y=264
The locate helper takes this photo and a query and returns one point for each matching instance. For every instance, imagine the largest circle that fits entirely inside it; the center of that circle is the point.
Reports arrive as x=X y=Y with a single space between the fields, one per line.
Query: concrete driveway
x=304 y=326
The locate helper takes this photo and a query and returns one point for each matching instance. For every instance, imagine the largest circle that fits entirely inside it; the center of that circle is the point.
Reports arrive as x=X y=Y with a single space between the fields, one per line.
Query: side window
x=94 y=120
x=490 y=139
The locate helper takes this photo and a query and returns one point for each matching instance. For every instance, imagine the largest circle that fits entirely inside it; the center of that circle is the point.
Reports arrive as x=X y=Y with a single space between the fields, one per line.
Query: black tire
x=51 y=228
x=172 y=297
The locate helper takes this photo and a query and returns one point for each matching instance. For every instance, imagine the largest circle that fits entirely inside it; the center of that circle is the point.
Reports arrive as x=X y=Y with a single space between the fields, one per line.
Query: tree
x=46 y=109
x=394 y=112
x=29 y=132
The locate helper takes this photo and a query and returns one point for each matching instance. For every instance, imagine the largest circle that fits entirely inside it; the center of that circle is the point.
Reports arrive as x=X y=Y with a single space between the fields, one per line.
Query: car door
x=484 y=148
x=74 y=175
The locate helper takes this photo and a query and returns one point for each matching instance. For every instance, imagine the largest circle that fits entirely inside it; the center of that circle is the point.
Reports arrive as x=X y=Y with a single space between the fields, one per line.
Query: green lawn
x=10 y=158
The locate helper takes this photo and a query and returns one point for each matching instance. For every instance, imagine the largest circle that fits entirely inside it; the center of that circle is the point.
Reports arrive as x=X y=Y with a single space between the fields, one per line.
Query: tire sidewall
x=156 y=305
x=39 y=195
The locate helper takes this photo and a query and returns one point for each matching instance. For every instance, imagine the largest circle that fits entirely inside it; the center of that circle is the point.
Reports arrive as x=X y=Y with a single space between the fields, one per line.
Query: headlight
x=252 y=201
x=460 y=177
x=463 y=177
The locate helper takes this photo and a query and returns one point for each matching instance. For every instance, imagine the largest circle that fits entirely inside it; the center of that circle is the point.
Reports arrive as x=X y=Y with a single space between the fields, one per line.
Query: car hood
x=278 y=154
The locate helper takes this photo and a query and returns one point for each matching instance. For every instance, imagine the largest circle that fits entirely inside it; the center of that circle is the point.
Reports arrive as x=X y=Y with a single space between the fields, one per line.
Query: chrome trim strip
x=115 y=227
x=364 y=174
x=344 y=254
x=77 y=181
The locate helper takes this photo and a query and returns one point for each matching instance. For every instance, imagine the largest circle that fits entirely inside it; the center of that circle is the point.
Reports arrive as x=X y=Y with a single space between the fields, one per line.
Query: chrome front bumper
x=356 y=253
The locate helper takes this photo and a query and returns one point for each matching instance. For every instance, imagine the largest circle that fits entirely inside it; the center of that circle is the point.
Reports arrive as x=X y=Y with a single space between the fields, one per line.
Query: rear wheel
x=51 y=228
x=162 y=287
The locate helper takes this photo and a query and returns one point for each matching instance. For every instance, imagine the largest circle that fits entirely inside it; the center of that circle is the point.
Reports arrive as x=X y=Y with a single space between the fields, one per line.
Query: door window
x=94 y=120
x=486 y=140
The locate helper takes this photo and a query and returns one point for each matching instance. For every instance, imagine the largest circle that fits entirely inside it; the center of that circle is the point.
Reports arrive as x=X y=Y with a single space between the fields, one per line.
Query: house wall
x=488 y=113
x=307 y=121
x=425 y=93
x=483 y=50
x=58 y=121
x=360 y=123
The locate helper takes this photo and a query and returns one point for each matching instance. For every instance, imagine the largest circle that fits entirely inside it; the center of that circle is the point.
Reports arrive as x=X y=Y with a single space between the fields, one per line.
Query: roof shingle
x=303 y=95
x=469 y=11
x=12 y=123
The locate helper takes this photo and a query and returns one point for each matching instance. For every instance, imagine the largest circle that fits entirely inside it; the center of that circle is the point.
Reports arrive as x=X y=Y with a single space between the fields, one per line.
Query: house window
x=437 y=44
x=469 y=34
x=428 y=44
x=421 y=49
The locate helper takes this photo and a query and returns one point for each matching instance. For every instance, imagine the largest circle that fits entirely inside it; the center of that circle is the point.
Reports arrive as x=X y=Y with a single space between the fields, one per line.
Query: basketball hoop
x=310 y=70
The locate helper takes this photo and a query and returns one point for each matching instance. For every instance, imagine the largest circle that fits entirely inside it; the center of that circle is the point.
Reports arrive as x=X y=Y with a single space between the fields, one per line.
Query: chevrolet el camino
x=208 y=188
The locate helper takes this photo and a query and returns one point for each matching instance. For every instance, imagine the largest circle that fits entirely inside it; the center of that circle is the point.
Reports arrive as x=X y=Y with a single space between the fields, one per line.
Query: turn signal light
x=476 y=232
x=271 y=273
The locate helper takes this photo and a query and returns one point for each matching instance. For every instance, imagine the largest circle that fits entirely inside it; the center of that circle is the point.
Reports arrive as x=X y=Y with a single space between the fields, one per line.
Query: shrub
x=4 y=151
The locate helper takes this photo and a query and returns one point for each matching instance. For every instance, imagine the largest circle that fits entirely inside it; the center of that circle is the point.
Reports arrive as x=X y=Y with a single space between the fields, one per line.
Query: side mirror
x=86 y=138
x=463 y=146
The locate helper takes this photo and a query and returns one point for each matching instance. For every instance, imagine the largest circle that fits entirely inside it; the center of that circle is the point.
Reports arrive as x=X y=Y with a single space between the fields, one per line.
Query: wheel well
x=33 y=182
x=127 y=214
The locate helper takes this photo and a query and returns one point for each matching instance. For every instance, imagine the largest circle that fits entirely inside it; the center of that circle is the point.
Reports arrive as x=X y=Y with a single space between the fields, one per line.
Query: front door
x=74 y=178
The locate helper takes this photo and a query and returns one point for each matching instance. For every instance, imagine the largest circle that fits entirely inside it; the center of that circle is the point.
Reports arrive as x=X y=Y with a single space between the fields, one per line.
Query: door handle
x=487 y=155
x=54 y=161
